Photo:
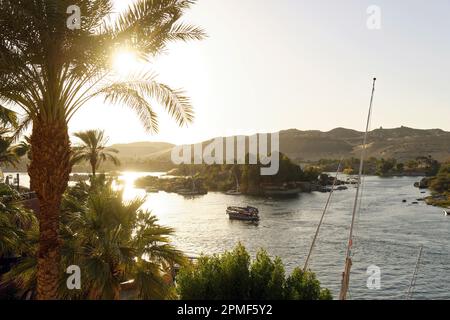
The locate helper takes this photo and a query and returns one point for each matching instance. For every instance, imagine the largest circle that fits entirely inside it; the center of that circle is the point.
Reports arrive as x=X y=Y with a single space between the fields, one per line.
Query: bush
x=441 y=183
x=232 y=276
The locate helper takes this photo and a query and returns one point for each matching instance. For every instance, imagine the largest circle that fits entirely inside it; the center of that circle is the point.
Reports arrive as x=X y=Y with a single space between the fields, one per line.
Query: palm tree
x=94 y=150
x=10 y=154
x=14 y=219
x=8 y=117
x=113 y=242
x=50 y=71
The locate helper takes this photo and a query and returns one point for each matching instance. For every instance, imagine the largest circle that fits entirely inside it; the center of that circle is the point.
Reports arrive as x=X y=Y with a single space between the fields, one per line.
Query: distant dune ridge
x=143 y=149
x=400 y=143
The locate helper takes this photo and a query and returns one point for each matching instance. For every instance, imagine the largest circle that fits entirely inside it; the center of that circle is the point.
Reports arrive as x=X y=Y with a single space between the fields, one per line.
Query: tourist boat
x=244 y=214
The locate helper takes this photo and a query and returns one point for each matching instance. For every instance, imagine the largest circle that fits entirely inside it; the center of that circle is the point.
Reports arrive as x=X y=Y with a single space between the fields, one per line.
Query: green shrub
x=232 y=276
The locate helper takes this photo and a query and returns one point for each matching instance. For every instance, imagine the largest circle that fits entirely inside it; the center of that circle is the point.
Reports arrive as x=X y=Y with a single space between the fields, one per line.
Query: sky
x=282 y=64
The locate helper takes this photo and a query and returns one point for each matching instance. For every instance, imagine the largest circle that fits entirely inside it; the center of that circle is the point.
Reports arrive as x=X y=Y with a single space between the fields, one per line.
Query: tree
x=8 y=117
x=112 y=242
x=13 y=221
x=400 y=167
x=10 y=154
x=441 y=183
x=267 y=278
x=384 y=167
x=50 y=71
x=301 y=285
x=232 y=276
x=94 y=150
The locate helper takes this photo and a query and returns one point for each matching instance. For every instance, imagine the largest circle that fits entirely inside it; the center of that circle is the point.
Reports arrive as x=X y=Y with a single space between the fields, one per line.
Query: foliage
x=9 y=153
x=225 y=177
x=93 y=149
x=383 y=167
x=49 y=71
x=233 y=276
x=441 y=183
x=112 y=241
x=14 y=220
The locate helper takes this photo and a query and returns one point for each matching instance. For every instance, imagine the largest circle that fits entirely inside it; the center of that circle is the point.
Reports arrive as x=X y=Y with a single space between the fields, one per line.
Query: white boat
x=233 y=193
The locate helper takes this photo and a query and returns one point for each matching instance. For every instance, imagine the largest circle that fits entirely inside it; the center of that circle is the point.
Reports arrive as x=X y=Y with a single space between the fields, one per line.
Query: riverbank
x=439 y=186
x=439 y=200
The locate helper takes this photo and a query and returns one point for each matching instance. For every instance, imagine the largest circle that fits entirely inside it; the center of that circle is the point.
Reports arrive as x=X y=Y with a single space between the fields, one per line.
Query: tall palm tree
x=94 y=150
x=50 y=71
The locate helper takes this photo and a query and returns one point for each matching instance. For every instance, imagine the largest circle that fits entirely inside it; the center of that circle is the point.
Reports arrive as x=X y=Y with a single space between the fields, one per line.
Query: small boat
x=243 y=214
x=446 y=213
x=233 y=193
x=190 y=193
x=276 y=191
x=325 y=189
x=351 y=181
x=341 y=188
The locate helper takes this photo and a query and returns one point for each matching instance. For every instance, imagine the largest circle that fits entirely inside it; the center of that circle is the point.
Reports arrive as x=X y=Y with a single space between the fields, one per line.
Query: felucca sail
x=348 y=259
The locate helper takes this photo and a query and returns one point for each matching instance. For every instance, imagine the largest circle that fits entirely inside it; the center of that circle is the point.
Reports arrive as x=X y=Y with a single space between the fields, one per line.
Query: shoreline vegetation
x=439 y=185
x=241 y=179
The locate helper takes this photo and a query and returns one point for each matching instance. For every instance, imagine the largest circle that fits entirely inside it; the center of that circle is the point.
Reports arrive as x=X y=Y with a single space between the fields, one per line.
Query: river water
x=388 y=234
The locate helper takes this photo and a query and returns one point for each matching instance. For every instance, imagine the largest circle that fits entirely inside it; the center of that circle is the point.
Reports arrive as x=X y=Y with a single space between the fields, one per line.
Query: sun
x=121 y=5
x=125 y=61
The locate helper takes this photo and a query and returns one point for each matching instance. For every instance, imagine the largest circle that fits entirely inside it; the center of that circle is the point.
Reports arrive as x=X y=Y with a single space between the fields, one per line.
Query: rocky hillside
x=399 y=143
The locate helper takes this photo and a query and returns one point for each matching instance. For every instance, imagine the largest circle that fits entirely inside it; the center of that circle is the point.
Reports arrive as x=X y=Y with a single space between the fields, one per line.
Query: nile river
x=388 y=234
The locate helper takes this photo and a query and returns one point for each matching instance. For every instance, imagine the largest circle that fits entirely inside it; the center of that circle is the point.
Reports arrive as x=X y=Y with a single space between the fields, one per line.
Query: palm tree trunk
x=93 y=166
x=49 y=174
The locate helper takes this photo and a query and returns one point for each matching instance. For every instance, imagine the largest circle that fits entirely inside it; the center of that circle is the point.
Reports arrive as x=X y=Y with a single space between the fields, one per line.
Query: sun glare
x=125 y=62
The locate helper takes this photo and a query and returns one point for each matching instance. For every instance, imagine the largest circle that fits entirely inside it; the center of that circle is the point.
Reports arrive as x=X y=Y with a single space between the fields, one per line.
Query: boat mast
x=323 y=216
x=410 y=291
x=348 y=260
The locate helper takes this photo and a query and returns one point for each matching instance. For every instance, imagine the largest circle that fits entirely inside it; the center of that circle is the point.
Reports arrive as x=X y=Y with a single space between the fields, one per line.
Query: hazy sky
x=281 y=64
